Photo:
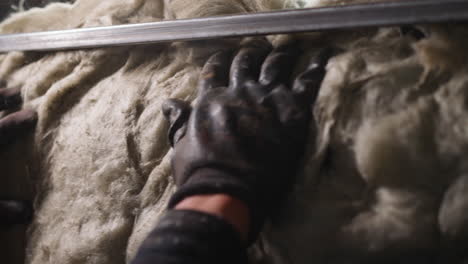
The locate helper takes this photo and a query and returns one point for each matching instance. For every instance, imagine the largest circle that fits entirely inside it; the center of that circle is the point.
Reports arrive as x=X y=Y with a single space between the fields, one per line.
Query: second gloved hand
x=14 y=127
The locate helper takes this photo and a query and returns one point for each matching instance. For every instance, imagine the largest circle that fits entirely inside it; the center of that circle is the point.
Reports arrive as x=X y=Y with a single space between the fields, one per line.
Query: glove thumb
x=177 y=112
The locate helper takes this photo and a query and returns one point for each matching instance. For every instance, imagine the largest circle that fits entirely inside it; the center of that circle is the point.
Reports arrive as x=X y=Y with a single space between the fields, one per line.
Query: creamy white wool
x=386 y=171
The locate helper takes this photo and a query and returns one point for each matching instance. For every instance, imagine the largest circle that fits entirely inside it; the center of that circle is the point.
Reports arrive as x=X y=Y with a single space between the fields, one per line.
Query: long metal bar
x=288 y=21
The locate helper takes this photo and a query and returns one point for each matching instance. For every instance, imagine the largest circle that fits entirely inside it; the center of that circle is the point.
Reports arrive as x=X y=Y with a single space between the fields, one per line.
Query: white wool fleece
x=384 y=168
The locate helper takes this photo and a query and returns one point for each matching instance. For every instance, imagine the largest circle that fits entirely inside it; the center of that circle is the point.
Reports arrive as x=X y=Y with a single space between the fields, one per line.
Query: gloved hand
x=12 y=128
x=246 y=133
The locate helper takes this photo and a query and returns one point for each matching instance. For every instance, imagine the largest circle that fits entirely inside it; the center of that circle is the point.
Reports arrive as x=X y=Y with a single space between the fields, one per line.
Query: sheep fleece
x=384 y=173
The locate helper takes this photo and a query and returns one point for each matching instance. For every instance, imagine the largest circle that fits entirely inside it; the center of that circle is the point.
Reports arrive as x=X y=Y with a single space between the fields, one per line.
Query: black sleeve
x=191 y=237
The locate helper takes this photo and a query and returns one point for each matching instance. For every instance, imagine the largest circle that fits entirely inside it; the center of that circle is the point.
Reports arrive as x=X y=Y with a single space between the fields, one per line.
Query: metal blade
x=288 y=21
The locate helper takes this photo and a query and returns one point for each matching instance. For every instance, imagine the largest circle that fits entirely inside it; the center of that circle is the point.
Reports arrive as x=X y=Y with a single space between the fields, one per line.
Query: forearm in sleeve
x=191 y=237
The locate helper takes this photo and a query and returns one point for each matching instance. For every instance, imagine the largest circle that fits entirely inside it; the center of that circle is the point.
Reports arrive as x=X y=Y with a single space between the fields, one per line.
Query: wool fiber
x=385 y=175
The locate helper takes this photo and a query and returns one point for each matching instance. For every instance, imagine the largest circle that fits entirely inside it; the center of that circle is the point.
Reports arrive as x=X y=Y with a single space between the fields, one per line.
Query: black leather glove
x=12 y=128
x=247 y=131
x=15 y=212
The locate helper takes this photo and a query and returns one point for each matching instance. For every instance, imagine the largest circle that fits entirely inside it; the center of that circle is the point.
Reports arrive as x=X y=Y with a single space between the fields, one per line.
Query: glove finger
x=177 y=113
x=285 y=104
x=255 y=91
x=10 y=98
x=215 y=72
x=13 y=212
x=279 y=65
x=246 y=64
x=16 y=124
x=414 y=32
x=307 y=84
